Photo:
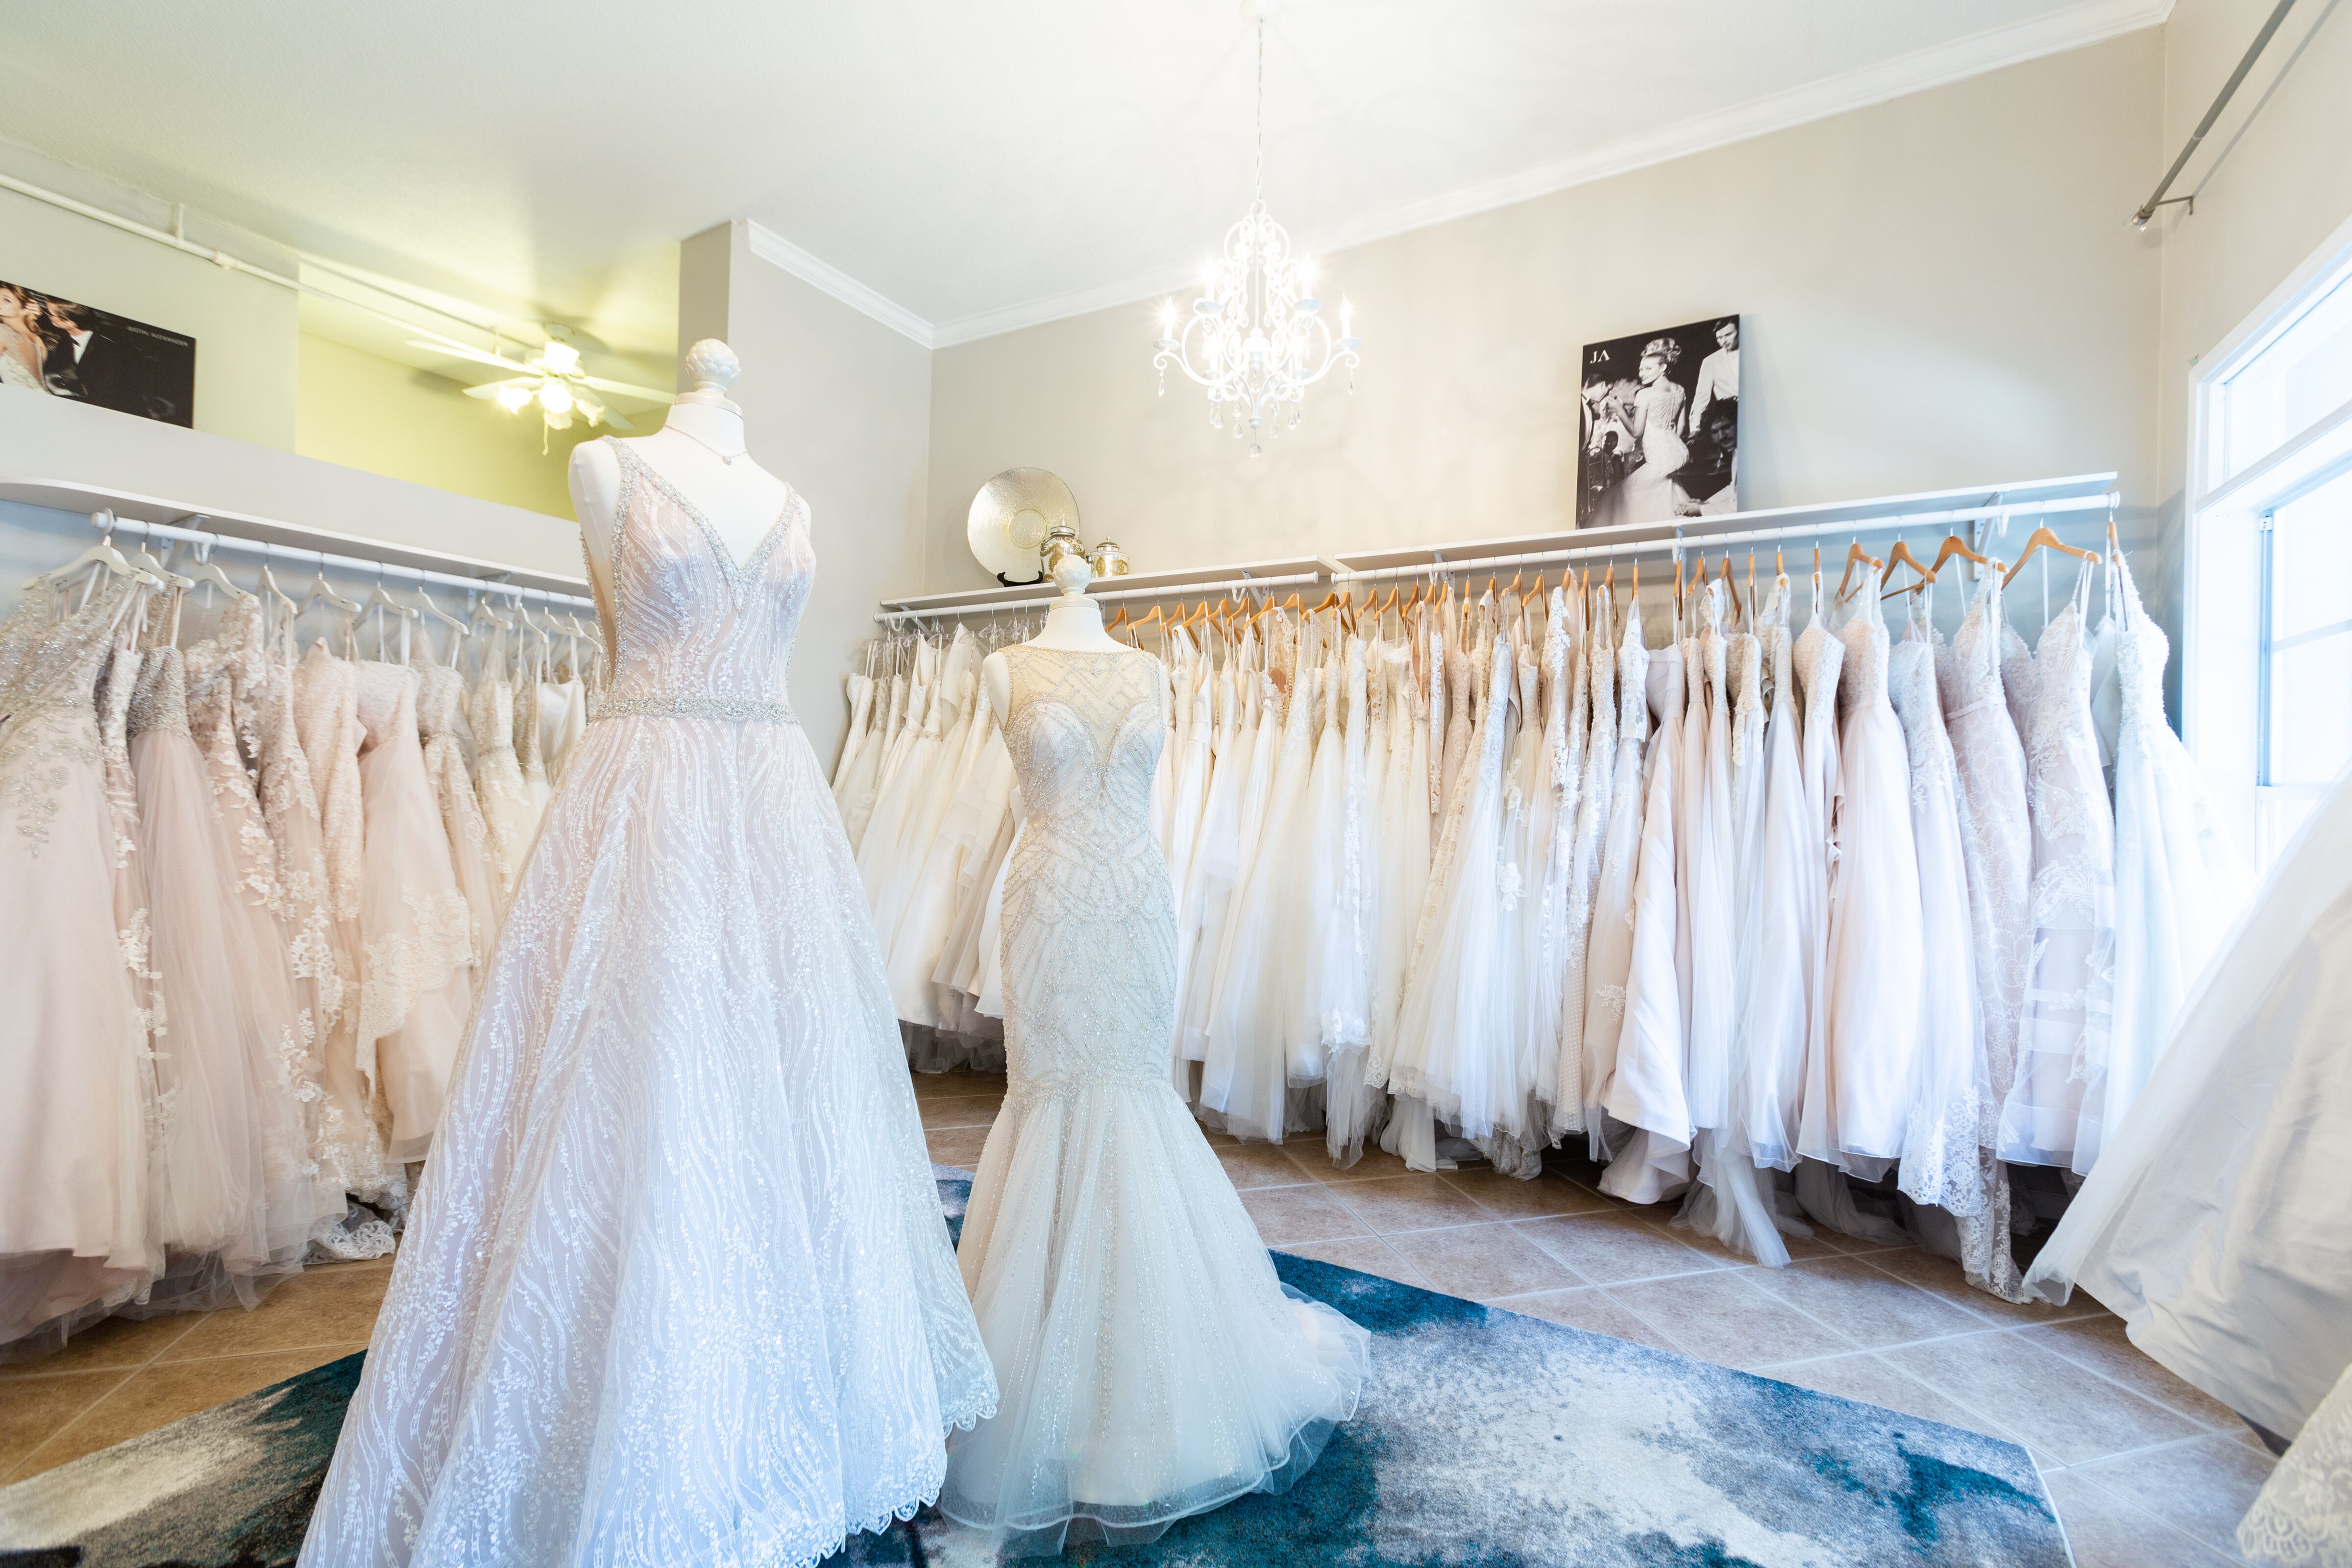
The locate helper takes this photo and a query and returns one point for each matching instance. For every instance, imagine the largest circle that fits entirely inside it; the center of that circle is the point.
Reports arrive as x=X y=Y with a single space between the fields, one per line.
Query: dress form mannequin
x=1074 y=624
x=700 y=451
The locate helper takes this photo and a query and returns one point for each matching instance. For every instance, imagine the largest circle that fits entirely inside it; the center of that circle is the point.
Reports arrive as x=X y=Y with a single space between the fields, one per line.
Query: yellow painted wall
x=367 y=412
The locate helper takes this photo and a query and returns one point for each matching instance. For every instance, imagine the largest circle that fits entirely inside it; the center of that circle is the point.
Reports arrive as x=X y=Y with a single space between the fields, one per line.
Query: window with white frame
x=2267 y=673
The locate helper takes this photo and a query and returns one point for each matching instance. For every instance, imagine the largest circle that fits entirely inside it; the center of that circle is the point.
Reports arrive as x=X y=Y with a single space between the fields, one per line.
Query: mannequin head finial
x=1071 y=574
x=713 y=367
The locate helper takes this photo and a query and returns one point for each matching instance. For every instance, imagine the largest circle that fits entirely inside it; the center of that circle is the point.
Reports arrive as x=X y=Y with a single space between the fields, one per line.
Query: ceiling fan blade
x=459 y=351
x=492 y=388
x=613 y=417
x=626 y=389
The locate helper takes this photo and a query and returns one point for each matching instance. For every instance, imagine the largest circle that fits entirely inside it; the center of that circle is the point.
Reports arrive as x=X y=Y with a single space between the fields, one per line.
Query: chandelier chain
x=1257 y=171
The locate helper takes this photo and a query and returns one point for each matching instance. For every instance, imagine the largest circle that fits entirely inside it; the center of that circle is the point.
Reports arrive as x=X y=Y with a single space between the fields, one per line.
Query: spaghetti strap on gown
x=675 y=1287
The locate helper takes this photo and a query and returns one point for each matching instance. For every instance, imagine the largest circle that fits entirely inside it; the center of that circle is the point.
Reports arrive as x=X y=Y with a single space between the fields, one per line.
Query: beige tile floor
x=2148 y=1472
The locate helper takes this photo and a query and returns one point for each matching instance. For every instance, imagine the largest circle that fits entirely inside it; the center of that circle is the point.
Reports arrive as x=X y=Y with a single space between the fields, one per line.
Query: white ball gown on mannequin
x=675 y=1287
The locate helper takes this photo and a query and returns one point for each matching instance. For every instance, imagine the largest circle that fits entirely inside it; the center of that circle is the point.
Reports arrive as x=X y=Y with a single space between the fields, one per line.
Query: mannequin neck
x=721 y=427
x=1074 y=624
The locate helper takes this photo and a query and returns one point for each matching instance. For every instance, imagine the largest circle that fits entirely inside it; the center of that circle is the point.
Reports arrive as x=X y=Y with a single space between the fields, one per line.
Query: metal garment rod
x=2229 y=90
x=1676 y=547
x=106 y=522
x=1174 y=591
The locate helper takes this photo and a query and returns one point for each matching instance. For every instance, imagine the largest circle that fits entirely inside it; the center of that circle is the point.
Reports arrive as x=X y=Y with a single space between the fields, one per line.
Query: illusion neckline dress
x=675 y=1287
x=1153 y=1365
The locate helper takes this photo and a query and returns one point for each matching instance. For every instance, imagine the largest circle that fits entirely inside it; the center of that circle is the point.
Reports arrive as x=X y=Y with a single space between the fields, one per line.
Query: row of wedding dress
x=249 y=887
x=1852 y=898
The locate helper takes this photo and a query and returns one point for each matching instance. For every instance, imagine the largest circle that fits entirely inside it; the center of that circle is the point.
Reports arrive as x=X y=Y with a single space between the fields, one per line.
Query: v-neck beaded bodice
x=694 y=633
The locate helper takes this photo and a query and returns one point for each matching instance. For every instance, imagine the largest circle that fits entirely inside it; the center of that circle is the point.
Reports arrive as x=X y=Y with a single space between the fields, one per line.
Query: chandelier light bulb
x=555 y=397
x=513 y=398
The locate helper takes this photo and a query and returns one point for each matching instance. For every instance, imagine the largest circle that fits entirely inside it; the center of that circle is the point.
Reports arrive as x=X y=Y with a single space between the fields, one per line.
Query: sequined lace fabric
x=675 y=1287
x=1153 y=1366
x=73 y=1221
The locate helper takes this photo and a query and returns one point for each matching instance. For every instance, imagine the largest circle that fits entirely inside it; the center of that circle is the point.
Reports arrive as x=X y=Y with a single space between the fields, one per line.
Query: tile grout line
x=128 y=1373
x=2135 y=1394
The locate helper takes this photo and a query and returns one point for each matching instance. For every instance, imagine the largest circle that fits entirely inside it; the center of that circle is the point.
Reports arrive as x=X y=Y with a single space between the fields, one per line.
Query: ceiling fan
x=551 y=378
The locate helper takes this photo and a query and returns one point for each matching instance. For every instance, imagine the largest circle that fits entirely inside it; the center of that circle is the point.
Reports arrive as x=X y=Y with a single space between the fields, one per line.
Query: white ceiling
x=957 y=168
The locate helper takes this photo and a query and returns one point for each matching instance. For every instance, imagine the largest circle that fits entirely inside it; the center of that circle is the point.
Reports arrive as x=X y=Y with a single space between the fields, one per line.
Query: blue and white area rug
x=1487 y=1438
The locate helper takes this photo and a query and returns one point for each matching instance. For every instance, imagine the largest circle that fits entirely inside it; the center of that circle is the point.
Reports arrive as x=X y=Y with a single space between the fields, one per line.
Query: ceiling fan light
x=556 y=398
x=513 y=397
x=562 y=358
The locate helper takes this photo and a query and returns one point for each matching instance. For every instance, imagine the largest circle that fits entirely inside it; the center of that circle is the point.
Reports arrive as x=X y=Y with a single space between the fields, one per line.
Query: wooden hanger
x=1955 y=545
x=1901 y=556
x=2043 y=539
x=1855 y=556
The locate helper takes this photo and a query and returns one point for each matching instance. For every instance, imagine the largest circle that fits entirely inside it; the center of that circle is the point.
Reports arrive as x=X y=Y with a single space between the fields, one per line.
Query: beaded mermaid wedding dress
x=1153 y=1365
x=675 y=1287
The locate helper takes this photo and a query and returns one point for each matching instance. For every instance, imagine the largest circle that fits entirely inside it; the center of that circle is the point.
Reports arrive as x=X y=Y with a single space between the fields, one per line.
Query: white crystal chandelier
x=1257 y=337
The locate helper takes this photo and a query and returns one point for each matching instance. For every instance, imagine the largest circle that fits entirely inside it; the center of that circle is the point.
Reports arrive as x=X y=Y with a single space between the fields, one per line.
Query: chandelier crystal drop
x=1257 y=337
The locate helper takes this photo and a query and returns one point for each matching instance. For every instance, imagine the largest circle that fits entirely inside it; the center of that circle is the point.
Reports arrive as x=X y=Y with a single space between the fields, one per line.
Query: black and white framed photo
x=78 y=351
x=1660 y=426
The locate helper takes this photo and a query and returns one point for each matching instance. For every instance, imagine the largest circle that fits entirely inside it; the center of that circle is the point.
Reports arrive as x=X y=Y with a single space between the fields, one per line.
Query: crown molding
x=1061 y=307
x=779 y=252
x=2073 y=29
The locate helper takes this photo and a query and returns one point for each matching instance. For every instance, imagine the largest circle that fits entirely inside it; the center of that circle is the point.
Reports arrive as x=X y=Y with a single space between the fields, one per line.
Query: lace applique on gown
x=215 y=1071
x=1996 y=846
x=439 y=693
x=653 y=1304
x=1153 y=1365
x=301 y=1195
x=73 y=1215
x=2052 y=1115
x=417 y=938
x=505 y=799
x=1939 y=1138
x=1609 y=827
x=326 y=698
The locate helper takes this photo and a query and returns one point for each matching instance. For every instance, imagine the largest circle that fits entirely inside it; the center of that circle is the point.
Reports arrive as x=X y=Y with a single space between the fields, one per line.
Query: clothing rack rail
x=1241 y=583
x=1988 y=509
x=106 y=522
x=1675 y=545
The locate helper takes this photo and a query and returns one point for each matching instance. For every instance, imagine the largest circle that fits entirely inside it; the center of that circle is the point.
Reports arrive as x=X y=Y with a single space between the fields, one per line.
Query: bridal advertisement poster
x=1661 y=424
x=69 y=350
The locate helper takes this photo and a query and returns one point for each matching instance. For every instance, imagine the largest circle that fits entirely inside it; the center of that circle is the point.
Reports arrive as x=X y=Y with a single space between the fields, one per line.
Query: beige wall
x=839 y=406
x=244 y=328
x=1939 y=291
x=367 y=412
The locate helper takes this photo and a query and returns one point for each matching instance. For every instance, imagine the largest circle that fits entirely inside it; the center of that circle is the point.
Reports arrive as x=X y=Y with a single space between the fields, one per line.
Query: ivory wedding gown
x=1153 y=1365
x=73 y=1152
x=675 y=1287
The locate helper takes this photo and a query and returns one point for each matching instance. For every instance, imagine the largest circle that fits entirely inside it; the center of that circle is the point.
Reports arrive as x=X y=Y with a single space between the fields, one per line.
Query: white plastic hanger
x=102 y=554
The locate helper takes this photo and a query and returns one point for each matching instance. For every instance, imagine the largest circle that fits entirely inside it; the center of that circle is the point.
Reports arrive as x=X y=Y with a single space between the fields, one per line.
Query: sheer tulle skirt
x=1163 y=1368
x=73 y=1153
x=206 y=1186
x=675 y=1288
